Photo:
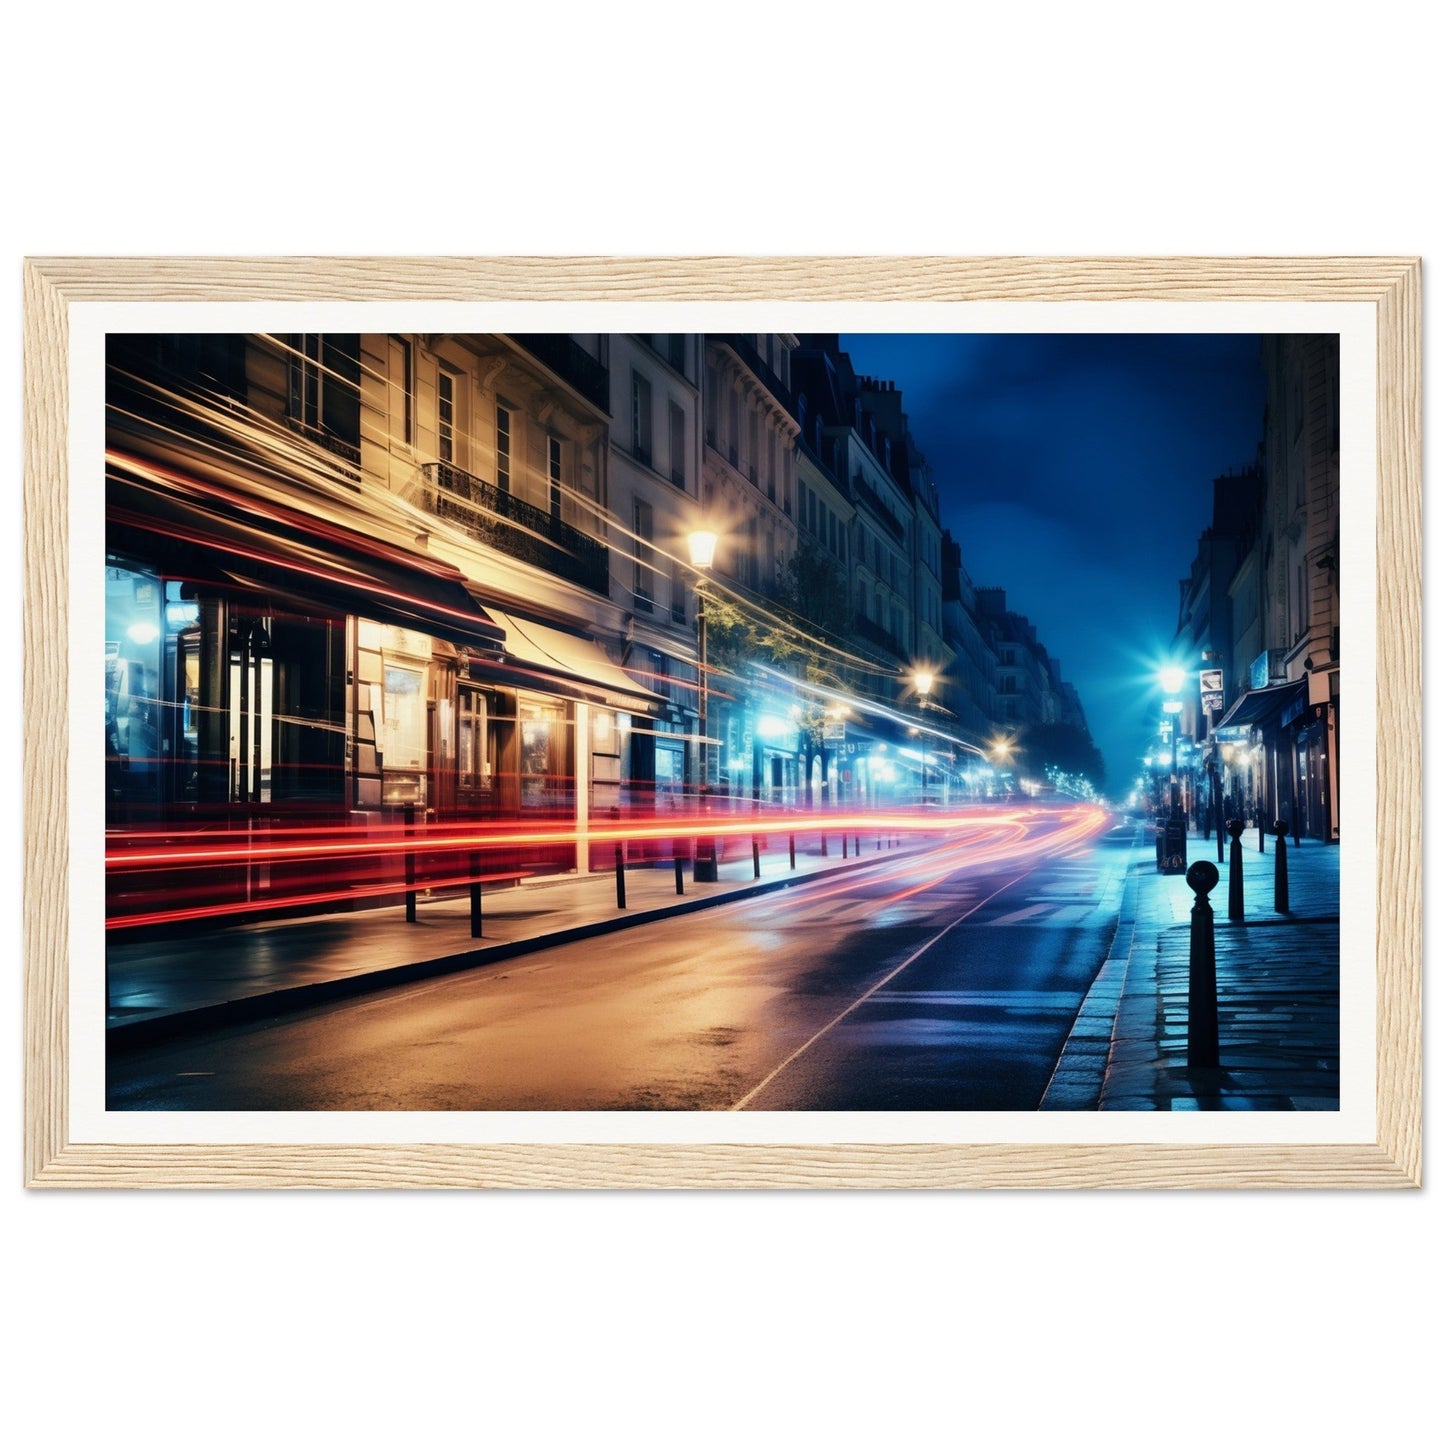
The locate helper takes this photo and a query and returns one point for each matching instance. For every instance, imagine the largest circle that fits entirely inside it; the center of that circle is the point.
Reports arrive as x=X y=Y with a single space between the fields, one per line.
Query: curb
x=1082 y=1068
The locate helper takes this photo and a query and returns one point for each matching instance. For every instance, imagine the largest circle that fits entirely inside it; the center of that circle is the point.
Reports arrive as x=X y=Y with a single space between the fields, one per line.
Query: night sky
x=1075 y=472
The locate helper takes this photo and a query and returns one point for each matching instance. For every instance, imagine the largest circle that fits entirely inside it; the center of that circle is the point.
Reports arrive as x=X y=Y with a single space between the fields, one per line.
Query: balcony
x=515 y=527
x=877 y=506
x=559 y=353
x=879 y=636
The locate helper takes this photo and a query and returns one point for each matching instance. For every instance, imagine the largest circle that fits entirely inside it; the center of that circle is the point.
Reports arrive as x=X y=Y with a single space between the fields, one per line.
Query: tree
x=1064 y=746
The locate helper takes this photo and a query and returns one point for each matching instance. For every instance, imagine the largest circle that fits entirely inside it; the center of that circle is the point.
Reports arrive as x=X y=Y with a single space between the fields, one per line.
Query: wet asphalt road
x=929 y=982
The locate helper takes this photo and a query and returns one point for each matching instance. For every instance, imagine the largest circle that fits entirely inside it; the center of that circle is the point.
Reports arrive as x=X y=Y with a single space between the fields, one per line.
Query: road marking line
x=863 y=998
x=1032 y=911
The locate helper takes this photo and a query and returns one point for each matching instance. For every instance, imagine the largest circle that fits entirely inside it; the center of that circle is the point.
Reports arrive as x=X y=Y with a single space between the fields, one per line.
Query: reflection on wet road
x=942 y=980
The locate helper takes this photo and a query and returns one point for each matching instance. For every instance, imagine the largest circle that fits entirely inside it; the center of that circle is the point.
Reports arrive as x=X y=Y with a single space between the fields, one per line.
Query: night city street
x=688 y=722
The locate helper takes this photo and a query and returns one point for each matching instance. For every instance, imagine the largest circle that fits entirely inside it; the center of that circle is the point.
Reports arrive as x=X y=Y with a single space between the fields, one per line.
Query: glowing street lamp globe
x=702 y=548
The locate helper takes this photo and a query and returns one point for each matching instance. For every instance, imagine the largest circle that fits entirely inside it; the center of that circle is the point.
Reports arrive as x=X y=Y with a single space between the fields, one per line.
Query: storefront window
x=474 y=769
x=403 y=716
x=541 y=762
x=134 y=690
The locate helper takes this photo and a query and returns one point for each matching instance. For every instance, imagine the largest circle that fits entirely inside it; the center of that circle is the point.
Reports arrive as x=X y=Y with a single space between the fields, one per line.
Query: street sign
x=1211 y=690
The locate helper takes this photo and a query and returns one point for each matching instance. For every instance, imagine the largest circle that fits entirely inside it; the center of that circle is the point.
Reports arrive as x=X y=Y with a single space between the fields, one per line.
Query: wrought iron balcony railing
x=515 y=527
x=583 y=373
x=880 y=636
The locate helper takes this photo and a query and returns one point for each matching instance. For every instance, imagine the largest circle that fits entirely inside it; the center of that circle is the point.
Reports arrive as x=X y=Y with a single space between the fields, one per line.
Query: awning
x=1263 y=705
x=215 y=536
x=548 y=658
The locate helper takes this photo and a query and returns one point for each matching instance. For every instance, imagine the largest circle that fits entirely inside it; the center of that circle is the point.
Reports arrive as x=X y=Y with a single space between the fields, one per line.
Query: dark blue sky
x=1075 y=472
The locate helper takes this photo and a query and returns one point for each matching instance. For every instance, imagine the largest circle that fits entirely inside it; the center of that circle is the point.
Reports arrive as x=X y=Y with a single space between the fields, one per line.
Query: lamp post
x=702 y=547
x=1171 y=679
x=923 y=682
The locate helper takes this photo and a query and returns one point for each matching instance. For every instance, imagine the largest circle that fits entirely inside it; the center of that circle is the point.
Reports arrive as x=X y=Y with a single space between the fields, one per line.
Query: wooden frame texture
x=1390 y=284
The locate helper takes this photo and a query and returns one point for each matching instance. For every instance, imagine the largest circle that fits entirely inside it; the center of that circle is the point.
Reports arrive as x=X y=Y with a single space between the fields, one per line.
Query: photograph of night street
x=707 y=722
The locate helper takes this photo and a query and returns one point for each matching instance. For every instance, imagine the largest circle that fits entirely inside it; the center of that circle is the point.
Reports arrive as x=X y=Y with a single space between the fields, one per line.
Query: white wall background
x=1113 y=129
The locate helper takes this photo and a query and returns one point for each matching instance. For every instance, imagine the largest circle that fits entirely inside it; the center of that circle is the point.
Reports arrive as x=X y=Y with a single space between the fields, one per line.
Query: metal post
x=677 y=873
x=1218 y=803
x=845 y=845
x=476 y=872
x=825 y=845
x=792 y=853
x=408 y=814
x=1281 y=868
x=757 y=865
x=1236 y=870
x=621 y=878
x=1203 y=1043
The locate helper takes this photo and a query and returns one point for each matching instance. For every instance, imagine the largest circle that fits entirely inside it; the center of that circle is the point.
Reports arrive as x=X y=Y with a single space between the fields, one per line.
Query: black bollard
x=1235 y=828
x=825 y=845
x=677 y=872
x=476 y=872
x=757 y=866
x=1261 y=829
x=1294 y=818
x=845 y=845
x=1281 y=868
x=1203 y=1044
x=408 y=814
x=621 y=879
x=792 y=852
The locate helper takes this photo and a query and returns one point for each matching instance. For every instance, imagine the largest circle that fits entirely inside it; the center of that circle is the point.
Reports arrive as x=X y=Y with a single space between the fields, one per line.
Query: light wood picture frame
x=1392 y=1158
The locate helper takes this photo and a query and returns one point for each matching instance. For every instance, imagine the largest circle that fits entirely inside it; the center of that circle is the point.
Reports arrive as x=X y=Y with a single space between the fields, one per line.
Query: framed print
x=966 y=735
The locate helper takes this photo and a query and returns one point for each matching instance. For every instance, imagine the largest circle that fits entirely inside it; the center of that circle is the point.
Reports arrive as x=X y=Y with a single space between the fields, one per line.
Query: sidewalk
x=1278 y=984
x=159 y=987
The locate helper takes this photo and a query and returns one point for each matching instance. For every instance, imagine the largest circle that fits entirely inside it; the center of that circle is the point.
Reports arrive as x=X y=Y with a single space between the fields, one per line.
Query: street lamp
x=923 y=682
x=702 y=547
x=1172 y=852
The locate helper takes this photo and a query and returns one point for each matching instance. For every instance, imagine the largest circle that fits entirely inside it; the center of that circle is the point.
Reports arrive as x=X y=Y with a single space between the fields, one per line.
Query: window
x=474 y=770
x=679 y=596
x=323 y=390
x=642 y=419
x=305 y=380
x=401 y=386
x=446 y=415
x=504 y=449
x=554 y=476
x=677 y=443
x=642 y=571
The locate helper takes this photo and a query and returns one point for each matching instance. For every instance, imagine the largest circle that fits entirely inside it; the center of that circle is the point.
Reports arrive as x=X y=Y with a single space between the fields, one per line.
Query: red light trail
x=161 y=880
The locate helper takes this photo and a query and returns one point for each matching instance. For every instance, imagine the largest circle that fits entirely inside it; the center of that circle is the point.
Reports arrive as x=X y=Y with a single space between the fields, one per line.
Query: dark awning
x=1263 y=705
x=201 y=530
